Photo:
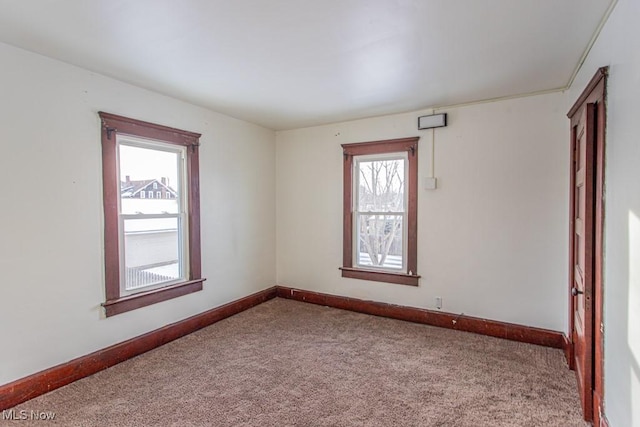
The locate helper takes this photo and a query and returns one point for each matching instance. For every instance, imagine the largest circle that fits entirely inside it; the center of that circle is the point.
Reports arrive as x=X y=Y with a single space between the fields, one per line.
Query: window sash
x=181 y=216
x=355 y=204
x=183 y=252
x=357 y=246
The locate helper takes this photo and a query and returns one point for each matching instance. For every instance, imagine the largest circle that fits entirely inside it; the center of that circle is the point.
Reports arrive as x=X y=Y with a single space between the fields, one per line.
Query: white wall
x=51 y=260
x=492 y=239
x=618 y=46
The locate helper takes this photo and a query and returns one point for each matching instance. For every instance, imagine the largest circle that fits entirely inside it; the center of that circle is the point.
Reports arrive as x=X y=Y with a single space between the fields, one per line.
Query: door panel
x=585 y=352
x=584 y=123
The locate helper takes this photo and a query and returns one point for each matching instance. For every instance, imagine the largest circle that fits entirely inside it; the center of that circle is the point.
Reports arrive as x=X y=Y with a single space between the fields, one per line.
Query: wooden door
x=585 y=355
x=583 y=237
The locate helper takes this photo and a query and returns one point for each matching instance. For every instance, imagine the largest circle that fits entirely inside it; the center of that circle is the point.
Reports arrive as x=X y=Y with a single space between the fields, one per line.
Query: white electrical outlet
x=438 y=303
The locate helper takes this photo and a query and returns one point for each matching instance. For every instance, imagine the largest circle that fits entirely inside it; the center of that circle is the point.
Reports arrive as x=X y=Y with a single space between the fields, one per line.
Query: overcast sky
x=143 y=163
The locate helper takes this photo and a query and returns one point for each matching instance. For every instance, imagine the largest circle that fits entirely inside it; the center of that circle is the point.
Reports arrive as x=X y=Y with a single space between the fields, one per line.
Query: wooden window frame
x=112 y=125
x=388 y=146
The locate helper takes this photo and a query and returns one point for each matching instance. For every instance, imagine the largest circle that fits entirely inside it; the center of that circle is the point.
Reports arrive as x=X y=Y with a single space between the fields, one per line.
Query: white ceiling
x=294 y=63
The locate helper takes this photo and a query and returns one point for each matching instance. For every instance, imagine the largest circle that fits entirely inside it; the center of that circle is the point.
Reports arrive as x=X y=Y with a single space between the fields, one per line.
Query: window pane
x=143 y=170
x=152 y=252
x=380 y=241
x=381 y=185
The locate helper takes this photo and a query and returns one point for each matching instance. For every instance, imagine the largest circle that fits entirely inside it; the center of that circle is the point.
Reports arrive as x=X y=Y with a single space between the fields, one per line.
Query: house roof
x=288 y=64
x=132 y=187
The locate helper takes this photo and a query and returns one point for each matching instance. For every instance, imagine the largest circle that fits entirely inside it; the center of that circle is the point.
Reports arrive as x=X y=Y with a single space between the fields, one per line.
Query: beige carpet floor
x=286 y=363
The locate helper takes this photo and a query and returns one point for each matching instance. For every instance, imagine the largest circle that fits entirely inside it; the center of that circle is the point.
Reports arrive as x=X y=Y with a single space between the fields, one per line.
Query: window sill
x=380 y=276
x=143 y=299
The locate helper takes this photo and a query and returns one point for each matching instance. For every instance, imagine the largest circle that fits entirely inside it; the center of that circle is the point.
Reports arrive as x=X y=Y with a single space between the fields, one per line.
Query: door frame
x=595 y=92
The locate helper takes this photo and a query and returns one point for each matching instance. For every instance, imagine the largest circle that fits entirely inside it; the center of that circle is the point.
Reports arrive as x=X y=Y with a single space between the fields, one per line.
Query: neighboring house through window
x=152 y=247
x=380 y=211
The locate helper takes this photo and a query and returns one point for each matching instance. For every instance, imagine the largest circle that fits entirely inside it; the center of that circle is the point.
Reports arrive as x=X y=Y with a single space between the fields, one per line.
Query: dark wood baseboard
x=27 y=388
x=567 y=347
x=476 y=325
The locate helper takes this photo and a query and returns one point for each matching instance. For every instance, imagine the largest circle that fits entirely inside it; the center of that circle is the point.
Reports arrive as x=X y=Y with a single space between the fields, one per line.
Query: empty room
x=320 y=213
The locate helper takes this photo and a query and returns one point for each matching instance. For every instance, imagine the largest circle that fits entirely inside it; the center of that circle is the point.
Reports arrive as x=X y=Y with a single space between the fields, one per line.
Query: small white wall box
x=432 y=121
x=431 y=183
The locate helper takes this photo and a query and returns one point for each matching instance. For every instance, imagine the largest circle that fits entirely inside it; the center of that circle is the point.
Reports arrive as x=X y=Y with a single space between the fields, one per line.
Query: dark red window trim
x=111 y=126
x=381 y=147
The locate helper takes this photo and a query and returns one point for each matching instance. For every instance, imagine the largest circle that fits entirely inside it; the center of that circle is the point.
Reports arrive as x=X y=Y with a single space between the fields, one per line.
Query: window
x=380 y=211
x=167 y=195
x=152 y=248
x=155 y=185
